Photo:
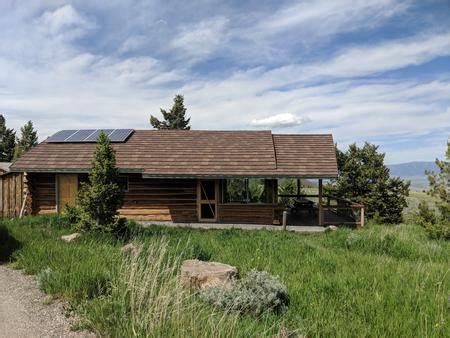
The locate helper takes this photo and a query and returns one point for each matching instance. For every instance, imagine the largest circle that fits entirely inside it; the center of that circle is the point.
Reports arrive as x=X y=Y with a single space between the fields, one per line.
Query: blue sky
x=374 y=70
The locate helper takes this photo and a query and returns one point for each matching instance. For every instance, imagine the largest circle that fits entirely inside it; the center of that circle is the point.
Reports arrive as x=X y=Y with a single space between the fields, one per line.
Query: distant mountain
x=412 y=168
x=414 y=172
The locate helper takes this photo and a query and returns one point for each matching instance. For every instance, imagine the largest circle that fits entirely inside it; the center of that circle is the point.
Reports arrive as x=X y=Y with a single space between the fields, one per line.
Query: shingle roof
x=196 y=153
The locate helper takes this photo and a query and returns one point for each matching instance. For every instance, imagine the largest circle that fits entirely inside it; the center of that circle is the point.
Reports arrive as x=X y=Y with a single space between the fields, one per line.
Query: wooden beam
x=298 y=187
x=321 y=211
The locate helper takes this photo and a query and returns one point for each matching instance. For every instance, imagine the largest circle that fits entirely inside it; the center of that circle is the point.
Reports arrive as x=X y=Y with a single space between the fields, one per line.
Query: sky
x=373 y=70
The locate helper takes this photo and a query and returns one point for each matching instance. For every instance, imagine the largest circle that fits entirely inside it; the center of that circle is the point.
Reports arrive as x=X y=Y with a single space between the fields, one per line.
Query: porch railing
x=350 y=213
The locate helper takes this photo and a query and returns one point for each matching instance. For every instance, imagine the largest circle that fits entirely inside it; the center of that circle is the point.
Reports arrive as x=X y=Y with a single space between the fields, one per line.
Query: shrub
x=436 y=226
x=72 y=214
x=257 y=293
x=440 y=230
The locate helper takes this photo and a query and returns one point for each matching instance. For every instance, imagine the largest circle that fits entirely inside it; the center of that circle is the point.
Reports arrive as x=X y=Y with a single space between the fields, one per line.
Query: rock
x=71 y=237
x=129 y=250
x=196 y=273
x=331 y=228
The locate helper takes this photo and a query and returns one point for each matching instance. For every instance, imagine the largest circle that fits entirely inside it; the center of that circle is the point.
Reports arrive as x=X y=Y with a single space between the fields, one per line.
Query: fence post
x=284 y=219
x=320 y=203
x=362 y=217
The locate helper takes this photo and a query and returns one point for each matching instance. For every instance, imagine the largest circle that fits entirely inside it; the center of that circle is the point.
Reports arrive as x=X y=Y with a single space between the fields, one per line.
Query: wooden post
x=298 y=187
x=321 y=214
x=362 y=217
x=284 y=219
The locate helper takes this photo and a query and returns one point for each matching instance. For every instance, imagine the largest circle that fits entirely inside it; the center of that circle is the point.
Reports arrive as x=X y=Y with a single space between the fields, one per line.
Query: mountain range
x=414 y=172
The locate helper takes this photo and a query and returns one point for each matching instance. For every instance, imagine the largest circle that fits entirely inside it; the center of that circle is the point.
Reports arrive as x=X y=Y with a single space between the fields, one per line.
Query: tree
x=364 y=178
x=439 y=184
x=28 y=139
x=175 y=118
x=7 y=141
x=101 y=196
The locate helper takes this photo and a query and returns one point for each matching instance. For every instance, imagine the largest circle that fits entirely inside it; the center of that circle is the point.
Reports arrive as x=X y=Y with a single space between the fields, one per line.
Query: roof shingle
x=195 y=153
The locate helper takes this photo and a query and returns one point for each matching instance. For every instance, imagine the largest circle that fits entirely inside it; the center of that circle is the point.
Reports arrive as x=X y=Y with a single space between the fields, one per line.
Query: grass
x=379 y=281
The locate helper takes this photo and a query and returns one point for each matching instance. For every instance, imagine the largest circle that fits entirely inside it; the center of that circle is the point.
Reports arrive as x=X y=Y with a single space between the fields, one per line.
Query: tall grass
x=379 y=281
x=148 y=300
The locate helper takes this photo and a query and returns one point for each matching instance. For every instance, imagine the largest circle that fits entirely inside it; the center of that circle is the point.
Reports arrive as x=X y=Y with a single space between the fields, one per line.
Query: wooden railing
x=350 y=213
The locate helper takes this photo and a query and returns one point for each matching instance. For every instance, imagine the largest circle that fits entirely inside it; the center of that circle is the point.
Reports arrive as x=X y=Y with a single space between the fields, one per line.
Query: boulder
x=71 y=237
x=199 y=274
x=129 y=250
x=331 y=228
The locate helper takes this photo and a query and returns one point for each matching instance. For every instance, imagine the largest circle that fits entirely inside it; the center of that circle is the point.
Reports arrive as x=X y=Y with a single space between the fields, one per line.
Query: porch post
x=321 y=215
x=298 y=187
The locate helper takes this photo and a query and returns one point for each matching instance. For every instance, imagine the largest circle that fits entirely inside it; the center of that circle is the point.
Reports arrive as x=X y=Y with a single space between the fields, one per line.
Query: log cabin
x=175 y=175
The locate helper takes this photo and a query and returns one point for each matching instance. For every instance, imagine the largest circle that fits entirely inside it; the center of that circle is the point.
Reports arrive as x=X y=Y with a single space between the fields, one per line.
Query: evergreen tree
x=28 y=139
x=364 y=178
x=175 y=118
x=101 y=196
x=7 y=141
x=440 y=185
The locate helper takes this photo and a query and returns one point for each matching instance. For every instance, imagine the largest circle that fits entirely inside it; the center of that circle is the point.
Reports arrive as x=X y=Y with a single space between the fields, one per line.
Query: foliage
x=28 y=139
x=175 y=118
x=101 y=196
x=439 y=185
x=72 y=214
x=332 y=292
x=7 y=141
x=257 y=293
x=247 y=190
x=364 y=178
x=287 y=186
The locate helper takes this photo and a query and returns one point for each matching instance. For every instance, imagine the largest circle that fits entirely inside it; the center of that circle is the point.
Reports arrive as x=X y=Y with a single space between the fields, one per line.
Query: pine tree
x=101 y=196
x=28 y=139
x=364 y=178
x=7 y=141
x=440 y=185
x=175 y=118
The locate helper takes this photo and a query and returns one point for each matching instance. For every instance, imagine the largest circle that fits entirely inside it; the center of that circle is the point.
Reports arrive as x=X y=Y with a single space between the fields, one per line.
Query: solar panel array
x=89 y=135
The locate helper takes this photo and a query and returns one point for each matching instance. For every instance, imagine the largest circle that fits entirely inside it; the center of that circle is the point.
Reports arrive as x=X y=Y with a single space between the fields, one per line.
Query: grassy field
x=378 y=281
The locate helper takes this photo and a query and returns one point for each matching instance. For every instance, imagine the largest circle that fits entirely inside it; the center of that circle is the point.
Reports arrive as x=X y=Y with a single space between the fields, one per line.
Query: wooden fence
x=11 y=194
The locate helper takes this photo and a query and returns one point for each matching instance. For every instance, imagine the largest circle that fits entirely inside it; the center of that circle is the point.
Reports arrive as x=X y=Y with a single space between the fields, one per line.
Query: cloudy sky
x=375 y=70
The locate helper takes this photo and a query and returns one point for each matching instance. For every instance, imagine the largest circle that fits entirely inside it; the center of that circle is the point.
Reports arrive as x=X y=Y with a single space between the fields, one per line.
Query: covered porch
x=312 y=207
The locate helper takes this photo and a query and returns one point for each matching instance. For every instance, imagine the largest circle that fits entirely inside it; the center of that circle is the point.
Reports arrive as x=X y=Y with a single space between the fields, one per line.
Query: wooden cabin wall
x=160 y=199
x=246 y=213
x=43 y=190
x=11 y=193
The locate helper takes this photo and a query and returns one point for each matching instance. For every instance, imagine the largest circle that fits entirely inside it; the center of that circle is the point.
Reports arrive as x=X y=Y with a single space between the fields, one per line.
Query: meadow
x=377 y=281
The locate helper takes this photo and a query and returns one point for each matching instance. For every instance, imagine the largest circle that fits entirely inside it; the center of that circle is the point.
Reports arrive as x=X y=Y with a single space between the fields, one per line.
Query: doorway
x=207 y=192
x=67 y=188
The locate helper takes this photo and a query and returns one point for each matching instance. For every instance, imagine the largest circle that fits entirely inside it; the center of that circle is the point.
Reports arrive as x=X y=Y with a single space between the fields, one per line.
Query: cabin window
x=122 y=181
x=244 y=190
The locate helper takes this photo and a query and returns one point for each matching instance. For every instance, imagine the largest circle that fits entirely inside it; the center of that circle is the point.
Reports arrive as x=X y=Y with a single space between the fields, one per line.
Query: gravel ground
x=23 y=312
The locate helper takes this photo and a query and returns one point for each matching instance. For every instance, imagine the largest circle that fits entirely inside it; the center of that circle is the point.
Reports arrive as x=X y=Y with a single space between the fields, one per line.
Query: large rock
x=195 y=273
x=71 y=237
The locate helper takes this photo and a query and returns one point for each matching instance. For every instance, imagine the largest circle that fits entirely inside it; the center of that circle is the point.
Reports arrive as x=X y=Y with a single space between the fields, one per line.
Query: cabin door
x=67 y=188
x=207 y=196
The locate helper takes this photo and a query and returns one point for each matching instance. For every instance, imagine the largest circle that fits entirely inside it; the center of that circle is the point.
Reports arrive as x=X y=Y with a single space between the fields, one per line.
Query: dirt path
x=23 y=312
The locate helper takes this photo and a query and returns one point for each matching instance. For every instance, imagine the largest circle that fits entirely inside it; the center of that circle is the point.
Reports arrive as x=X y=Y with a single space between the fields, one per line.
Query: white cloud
x=279 y=121
x=203 y=38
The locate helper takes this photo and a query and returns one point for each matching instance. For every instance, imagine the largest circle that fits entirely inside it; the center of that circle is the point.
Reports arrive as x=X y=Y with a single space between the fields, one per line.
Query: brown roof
x=195 y=153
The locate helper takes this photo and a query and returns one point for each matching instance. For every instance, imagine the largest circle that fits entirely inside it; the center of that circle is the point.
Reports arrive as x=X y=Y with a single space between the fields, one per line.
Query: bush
x=72 y=214
x=257 y=293
x=436 y=226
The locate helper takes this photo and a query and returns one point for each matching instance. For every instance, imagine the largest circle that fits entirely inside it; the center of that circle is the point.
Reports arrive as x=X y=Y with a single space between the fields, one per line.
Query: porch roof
x=197 y=153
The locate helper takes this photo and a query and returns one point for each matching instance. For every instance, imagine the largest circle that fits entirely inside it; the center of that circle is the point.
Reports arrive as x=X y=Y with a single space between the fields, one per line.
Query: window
x=245 y=190
x=122 y=181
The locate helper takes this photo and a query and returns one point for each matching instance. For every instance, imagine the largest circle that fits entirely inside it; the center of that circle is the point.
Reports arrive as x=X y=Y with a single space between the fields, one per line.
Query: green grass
x=379 y=281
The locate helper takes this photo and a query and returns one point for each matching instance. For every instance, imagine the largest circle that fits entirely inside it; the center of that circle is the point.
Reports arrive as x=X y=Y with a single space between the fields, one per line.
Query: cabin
x=182 y=176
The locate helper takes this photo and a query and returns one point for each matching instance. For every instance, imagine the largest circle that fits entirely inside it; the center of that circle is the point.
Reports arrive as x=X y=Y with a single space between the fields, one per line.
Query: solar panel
x=80 y=135
x=61 y=135
x=89 y=135
x=120 y=135
x=93 y=137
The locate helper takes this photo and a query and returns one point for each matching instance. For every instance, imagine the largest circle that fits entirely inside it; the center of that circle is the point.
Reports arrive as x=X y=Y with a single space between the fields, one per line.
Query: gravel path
x=23 y=312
